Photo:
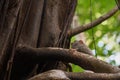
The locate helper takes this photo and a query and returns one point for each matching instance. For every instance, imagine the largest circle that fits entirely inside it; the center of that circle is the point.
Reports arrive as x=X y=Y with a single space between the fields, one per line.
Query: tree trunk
x=35 y=23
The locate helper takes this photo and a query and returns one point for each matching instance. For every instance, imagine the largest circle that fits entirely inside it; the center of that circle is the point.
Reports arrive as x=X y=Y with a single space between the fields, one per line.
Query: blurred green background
x=106 y=34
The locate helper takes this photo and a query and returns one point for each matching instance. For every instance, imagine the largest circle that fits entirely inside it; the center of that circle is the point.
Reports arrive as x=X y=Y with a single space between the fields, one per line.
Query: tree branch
x=94 y=23
x=93 y=76
x=35 y=55
x=51 y=75
x=62 y=75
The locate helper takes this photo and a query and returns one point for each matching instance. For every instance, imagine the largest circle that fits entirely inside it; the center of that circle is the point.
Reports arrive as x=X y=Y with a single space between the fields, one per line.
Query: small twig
x=118 y=3
x=94 y=23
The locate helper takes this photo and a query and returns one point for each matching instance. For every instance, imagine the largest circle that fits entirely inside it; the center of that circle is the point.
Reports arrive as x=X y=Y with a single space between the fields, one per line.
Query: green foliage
x=107 y=34
x=77 y=68
x=73 y=39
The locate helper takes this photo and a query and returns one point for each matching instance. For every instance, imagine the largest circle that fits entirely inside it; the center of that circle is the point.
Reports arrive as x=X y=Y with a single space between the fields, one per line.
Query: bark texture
x=35 y=23
x=35 y=37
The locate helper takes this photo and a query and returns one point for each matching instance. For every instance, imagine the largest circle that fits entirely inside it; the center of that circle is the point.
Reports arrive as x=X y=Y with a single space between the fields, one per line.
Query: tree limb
x=62 y=75
x=51 y=75
x=35 y=55
x=94 y=23
x=93 y=76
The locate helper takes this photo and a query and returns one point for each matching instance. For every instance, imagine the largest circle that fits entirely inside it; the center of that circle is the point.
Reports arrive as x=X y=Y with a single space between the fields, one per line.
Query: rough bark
x=27 y=33
x=44 y=23
x=35 y=23
x=88 y=62
x=54 y=25
x=8 y=14
x=62 y=75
